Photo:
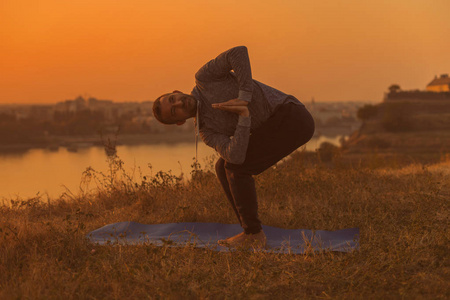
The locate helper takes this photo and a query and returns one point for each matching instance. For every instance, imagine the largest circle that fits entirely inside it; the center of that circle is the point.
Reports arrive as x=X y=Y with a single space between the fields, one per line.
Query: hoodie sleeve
x=231 y=149
x=235 y=59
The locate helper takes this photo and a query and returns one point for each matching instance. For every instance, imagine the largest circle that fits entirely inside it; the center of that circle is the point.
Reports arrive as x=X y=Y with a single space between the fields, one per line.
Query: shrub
x=327 y=151
x=367 y=112
x=396 y=118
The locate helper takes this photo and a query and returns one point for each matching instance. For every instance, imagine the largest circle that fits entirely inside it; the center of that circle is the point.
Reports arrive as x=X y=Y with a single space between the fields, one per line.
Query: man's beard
x=189 y=104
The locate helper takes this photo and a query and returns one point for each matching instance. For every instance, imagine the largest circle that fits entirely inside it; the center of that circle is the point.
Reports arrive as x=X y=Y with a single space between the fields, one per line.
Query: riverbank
x=73 y=143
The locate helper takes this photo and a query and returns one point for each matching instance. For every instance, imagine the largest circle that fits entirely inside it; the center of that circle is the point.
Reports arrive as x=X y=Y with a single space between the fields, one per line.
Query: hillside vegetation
x=402 y=211
x=419 y=128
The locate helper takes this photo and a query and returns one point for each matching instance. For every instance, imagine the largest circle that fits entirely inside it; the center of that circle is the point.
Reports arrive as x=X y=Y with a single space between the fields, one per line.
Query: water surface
x=55 y=172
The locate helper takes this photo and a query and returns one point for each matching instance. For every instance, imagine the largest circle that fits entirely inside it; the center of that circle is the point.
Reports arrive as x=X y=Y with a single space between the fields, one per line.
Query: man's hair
x=157 y=110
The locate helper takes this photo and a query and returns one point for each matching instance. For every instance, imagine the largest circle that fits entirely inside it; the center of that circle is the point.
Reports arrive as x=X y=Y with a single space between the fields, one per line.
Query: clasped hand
x=236 y=106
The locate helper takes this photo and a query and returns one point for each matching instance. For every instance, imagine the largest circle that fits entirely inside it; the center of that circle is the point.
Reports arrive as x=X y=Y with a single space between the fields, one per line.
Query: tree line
x=81 y=123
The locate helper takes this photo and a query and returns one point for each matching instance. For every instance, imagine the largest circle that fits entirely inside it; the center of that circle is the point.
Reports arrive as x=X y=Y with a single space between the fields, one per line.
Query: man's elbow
x=242 y=48
x=237 y=159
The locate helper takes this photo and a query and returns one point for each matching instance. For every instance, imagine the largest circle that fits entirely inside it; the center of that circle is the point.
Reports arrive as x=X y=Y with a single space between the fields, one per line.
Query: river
x=51 y=173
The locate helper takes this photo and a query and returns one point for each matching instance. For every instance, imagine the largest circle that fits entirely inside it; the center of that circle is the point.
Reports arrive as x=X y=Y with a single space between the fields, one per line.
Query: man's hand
x=236 y=106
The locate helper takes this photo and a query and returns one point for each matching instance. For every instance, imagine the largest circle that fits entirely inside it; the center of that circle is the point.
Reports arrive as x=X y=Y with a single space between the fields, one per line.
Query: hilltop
x=412 y=123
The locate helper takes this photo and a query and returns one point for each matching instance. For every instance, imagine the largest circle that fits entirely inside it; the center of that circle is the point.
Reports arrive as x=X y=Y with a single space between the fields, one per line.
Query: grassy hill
x=402 y=212
x=417 y=127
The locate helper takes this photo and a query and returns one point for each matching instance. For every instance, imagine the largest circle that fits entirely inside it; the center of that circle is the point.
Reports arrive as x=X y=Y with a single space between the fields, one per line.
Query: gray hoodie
x=227 y=77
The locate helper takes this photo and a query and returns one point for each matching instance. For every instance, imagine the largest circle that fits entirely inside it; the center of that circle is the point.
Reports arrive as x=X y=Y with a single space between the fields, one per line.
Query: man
x=251 y=125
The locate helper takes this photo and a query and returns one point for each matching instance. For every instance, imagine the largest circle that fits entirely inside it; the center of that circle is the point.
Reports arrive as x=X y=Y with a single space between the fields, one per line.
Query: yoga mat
x=296 y=241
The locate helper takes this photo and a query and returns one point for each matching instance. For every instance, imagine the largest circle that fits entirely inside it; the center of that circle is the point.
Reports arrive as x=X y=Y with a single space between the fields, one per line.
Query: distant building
x=437 y=90
x=106 y=107
x=71 y=105
x=41 y=112
x=80 y=103
x=441 y=84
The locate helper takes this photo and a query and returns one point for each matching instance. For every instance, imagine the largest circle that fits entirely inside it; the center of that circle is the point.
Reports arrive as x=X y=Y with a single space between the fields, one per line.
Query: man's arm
x=233 y=149
x=235 y=59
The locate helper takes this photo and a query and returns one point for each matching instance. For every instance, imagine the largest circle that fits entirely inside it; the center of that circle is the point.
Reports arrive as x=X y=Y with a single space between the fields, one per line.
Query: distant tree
x=394 y=88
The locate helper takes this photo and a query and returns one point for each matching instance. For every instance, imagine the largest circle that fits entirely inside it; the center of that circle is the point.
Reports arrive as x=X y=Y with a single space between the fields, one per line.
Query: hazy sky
x=135 y=50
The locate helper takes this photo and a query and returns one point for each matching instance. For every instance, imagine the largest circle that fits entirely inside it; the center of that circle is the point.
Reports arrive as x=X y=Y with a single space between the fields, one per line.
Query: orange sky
x=135 y=50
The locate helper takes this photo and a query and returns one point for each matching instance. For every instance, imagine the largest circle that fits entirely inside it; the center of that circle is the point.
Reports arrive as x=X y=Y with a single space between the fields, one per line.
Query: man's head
x=174 y=108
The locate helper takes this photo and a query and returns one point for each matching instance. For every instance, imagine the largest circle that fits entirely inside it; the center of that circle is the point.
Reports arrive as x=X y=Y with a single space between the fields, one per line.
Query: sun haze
x=135 y=50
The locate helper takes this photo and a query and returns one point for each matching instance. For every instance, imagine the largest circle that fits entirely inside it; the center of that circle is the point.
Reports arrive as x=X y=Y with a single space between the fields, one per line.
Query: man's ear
x=176 y=91
x=181 y=122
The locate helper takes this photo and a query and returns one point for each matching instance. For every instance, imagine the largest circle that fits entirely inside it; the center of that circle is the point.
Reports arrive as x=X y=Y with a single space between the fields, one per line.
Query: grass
x=402 y=212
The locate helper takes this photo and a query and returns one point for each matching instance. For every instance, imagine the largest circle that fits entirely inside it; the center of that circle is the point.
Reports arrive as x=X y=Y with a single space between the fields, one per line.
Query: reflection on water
x=50 y=172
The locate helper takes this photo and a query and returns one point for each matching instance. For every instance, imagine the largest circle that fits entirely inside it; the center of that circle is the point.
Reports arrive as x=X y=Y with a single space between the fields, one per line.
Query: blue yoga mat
x=203 y=235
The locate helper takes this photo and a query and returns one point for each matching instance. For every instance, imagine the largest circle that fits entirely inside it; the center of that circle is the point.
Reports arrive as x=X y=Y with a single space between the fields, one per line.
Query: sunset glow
x=136 y=50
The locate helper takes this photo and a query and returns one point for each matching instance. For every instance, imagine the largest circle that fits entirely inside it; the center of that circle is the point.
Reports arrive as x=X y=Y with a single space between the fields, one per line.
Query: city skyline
x=137 y=50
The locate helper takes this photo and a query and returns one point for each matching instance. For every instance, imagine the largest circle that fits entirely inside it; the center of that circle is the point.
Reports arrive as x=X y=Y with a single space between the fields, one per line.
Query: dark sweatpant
x=289 y=128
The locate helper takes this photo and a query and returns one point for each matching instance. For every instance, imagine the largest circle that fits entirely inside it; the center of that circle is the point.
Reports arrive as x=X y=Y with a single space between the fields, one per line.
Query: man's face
x=177 y=107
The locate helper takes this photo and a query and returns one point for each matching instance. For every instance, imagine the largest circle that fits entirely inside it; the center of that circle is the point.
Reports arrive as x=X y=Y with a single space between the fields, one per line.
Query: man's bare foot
x=243 y=240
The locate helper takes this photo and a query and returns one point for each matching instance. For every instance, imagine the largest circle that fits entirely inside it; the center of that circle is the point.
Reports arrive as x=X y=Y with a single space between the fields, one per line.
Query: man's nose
x=178 y=103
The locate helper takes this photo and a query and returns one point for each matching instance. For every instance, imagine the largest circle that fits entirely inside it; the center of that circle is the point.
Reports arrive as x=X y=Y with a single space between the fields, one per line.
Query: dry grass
x=402 y=212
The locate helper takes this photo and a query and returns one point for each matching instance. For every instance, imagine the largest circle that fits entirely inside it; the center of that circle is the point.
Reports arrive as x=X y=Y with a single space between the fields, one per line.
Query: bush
x=367 y=112
x=396 y=118
x=327 y=151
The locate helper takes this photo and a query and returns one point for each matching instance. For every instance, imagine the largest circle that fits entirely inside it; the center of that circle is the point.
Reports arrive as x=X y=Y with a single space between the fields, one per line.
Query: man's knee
x=304 y=130
x=223 y=168
x=236 y=170
x=220 y=166
x=304 y=137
